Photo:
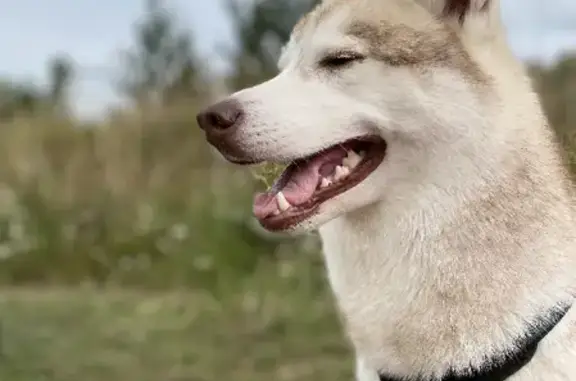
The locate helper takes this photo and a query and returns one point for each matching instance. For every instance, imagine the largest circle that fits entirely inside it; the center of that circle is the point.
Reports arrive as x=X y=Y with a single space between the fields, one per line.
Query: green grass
x=270 y=328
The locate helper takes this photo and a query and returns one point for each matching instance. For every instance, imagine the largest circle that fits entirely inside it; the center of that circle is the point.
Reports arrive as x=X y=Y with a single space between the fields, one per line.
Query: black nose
x=220 y=117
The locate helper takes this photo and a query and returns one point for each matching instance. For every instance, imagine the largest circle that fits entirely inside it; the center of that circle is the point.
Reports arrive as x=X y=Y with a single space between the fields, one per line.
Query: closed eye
x=340 y=59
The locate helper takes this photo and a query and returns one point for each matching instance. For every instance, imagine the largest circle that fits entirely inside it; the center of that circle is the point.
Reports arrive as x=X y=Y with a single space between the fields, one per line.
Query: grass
x=142 y=198
x=270 y=328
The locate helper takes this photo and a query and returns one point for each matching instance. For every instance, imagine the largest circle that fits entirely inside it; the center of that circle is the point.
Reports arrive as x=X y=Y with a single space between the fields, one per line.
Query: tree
x=161 y=66
x=18 y=98
x=262 y=29
x=60 y=70
x=21 y=98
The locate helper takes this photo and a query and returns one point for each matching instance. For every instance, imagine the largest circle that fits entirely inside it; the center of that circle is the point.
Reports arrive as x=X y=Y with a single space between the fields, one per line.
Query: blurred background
x=127 y=247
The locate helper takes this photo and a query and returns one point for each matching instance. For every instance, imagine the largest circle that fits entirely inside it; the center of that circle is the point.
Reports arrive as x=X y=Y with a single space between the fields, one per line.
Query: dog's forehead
x=336 y=22
x=323 y=25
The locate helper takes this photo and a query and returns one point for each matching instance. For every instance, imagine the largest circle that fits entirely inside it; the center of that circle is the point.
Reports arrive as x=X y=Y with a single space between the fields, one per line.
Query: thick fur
x=466 y=233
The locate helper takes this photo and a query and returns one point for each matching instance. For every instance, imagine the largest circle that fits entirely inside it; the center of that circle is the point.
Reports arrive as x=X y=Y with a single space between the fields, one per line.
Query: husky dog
x=417 y=147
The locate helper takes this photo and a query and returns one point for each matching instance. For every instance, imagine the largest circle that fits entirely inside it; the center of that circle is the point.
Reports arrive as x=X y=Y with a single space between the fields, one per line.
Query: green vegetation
x=266 y=173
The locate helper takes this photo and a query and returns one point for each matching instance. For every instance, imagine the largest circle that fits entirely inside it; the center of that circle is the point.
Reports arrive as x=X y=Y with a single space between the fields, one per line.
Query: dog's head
x=375 y=100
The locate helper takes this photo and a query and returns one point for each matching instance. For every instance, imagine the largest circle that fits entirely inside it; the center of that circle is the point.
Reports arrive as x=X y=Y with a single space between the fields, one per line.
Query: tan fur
x=466 y=233
x=402 y=45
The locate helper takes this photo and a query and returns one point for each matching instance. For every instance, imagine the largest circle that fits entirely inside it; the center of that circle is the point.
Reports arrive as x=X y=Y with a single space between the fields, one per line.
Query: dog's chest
x=374 y=288
x=395 y=311
x=391 y=306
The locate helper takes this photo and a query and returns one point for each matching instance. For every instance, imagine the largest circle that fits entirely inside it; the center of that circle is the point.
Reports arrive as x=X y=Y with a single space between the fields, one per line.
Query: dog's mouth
x=308 y=182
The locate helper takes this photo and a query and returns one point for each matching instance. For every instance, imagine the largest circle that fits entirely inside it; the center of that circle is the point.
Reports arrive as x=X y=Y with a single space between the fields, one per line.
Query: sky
x=94 y=32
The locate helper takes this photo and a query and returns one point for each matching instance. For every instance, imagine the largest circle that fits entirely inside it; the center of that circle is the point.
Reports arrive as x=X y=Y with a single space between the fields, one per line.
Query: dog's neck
x=445 y=276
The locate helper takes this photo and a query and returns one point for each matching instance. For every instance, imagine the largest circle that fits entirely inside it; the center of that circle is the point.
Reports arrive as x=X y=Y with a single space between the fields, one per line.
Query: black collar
x=501 y=369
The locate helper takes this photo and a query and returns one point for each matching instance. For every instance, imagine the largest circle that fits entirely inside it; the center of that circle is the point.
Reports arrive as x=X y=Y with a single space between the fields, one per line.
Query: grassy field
x=270 y=328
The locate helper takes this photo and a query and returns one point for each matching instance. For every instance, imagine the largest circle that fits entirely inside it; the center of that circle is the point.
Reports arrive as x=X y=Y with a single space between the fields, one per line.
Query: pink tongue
x=301 y=185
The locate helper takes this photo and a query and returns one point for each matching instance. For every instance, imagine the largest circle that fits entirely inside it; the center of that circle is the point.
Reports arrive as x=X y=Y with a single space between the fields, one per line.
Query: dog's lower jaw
x=415 y=290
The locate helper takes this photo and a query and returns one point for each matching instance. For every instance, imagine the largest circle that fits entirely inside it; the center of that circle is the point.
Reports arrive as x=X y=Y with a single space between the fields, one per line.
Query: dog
x=417 y=147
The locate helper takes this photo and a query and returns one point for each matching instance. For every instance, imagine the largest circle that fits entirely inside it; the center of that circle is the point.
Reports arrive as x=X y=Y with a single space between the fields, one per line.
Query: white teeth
x=340 y=172
x=324 y=183
x=352 y=160
x=283 y=204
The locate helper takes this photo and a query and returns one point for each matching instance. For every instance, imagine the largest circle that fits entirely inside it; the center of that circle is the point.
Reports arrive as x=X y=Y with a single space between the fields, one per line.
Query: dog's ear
x=485 y=13
x=460 y=9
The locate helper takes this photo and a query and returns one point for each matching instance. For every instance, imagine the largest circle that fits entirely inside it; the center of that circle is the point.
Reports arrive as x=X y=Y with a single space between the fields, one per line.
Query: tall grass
x=138 y=200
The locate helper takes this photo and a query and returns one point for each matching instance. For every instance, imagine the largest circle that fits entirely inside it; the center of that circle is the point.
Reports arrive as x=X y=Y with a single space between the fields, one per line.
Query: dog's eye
x=340 y=59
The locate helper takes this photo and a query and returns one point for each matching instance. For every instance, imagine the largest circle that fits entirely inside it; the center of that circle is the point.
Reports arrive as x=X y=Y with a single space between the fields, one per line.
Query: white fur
x=467 y=230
